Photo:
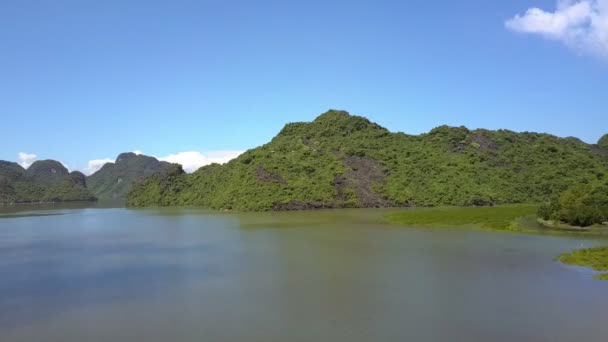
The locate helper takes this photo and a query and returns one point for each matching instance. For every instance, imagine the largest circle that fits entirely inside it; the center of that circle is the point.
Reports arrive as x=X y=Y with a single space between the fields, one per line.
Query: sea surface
x=115 y=274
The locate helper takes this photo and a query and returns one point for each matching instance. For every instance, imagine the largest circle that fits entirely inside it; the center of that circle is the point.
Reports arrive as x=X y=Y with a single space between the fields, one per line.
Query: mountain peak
x=331 y=123
x=125 y=156
x=114 y=180
x=342 y=117
x=10 y=170
x=334 y=114
x=47 y=170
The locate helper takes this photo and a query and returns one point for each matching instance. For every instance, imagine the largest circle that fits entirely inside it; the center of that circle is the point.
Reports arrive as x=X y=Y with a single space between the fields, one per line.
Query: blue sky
x=86 y=80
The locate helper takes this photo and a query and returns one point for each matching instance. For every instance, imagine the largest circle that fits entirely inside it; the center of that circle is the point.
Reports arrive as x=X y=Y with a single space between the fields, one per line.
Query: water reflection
x=183 y=274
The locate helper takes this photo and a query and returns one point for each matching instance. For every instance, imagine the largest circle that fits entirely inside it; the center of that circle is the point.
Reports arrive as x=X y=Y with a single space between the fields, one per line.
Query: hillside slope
x=114 y=180
x=603 y=141
x=43 y=181
x=339 y=160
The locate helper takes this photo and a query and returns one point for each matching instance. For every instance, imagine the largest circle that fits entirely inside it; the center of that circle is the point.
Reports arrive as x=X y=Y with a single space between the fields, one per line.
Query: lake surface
x=113 y=274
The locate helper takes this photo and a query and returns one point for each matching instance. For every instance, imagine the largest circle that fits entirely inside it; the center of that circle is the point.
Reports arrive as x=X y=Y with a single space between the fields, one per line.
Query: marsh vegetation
x=595 y=258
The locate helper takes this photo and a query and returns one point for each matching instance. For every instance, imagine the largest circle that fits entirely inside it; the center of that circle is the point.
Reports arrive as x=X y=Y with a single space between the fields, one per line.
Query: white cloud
x=579 y=24
x=26 y=159
x=138 y=152
x=95 y=164
x=192 y=160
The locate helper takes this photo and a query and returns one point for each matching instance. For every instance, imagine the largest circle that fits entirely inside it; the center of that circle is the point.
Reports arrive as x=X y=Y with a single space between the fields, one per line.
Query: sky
x=201 y=81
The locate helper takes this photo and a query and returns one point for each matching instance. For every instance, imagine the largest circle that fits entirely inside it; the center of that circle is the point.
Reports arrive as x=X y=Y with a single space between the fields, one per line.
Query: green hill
x=114 y=180
x=339 y=160
x=43 y=181
x=603 y=141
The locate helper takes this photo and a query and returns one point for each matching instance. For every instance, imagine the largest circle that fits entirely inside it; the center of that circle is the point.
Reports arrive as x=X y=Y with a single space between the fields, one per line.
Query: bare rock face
x=482 y=141
x=265 y=176
x=361 y=176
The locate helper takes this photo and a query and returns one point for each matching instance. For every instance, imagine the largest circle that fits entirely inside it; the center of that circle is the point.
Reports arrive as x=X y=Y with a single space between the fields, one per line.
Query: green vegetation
x=603 y=142
x=495 y=218
x=602 y=276
x=49 y=181
x=339 y=160
x=582 y=205
x=114 y=180
x=43 y=181
x=596 y=258
x=164 y=185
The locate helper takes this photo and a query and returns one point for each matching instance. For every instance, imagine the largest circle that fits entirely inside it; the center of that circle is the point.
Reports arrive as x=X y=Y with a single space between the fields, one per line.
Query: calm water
x=183 y=275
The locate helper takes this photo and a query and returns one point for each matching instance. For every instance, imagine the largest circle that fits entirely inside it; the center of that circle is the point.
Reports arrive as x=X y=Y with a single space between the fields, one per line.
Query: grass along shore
x=520 y=218
x=506 y=218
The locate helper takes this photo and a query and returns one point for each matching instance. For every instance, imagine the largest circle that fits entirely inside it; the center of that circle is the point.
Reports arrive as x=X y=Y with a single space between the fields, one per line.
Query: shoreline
x=7 y=204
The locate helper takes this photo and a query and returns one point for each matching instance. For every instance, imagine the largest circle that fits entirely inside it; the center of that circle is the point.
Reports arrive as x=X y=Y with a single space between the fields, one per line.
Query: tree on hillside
x=581 y=205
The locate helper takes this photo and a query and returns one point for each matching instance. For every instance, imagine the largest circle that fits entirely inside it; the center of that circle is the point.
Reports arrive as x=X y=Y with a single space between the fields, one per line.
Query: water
x=115 y=274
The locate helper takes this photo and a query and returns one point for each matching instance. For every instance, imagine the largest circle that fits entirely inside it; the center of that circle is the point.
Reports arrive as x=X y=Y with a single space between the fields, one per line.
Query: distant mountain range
x=339 y=160
x=50 y=181
x=336 y=161
x=43 y=181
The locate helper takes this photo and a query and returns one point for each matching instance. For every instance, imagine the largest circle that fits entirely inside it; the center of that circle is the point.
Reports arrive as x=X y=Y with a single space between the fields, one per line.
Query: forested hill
x=339 y=160
x=114 y=180
x=43 y=181
x=603 y=142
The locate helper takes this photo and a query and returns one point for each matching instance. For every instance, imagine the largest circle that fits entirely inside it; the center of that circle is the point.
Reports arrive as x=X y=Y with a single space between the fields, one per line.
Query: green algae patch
x=595 y=258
